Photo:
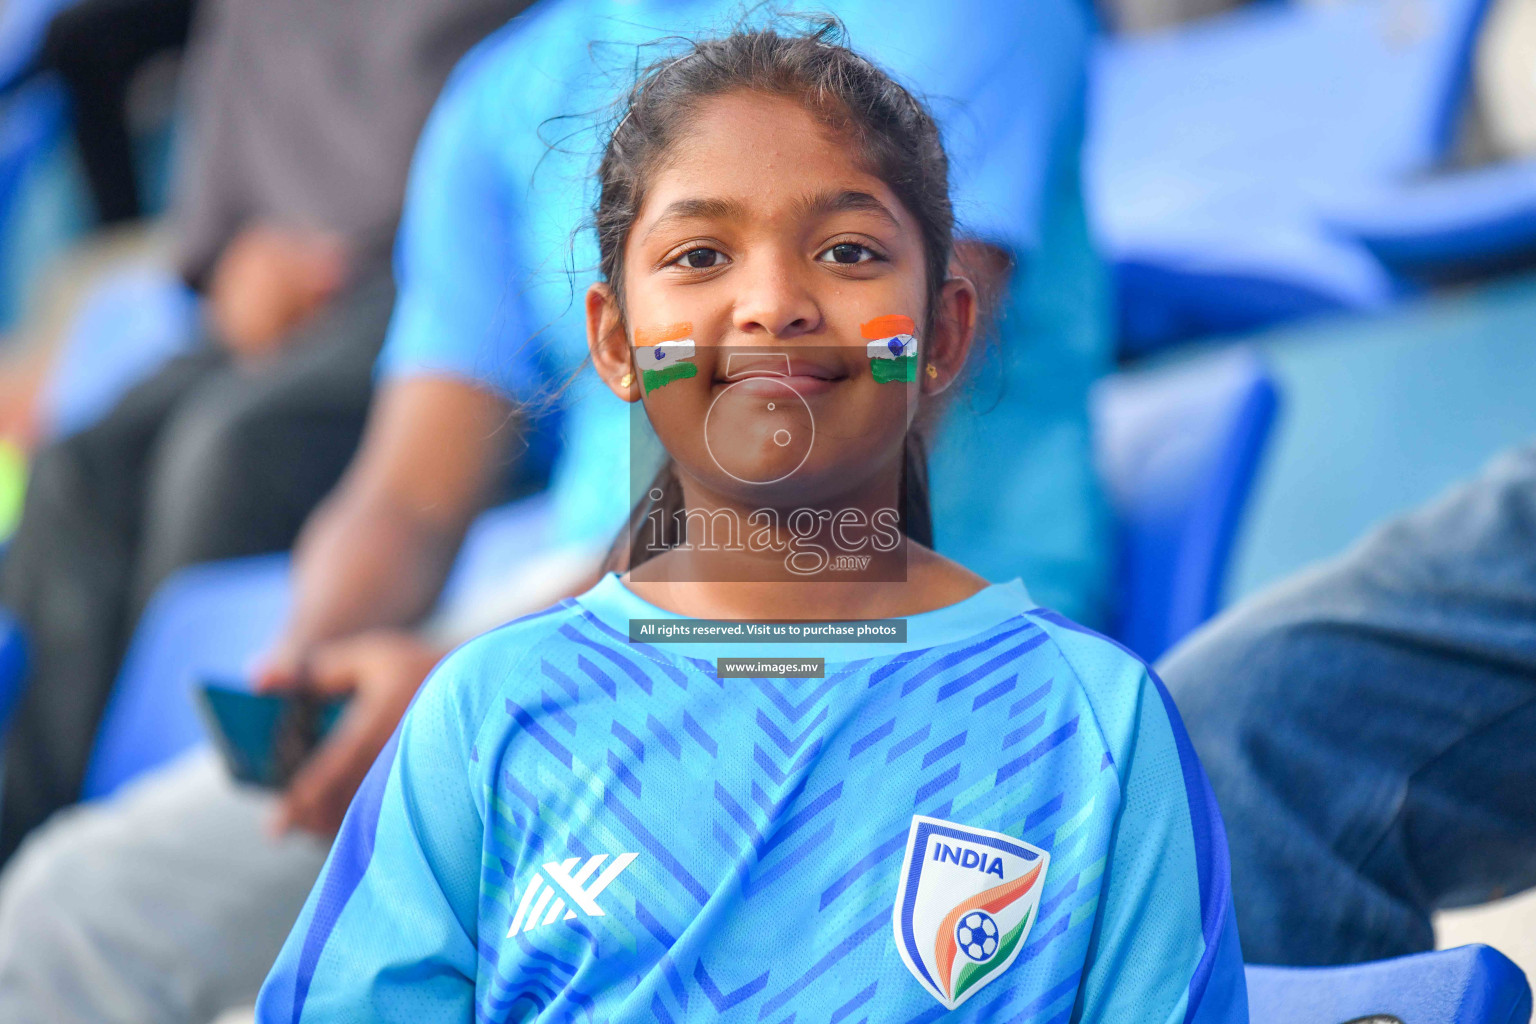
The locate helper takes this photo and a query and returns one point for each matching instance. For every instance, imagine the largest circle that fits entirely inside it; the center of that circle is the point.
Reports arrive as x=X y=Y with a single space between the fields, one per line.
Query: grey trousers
x=165 y=904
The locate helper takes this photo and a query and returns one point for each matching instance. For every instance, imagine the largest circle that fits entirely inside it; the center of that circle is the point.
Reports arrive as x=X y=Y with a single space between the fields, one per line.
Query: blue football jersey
x=1000 y=819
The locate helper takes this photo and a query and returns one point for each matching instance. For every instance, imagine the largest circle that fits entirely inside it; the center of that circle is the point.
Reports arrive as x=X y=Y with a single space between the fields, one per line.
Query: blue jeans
x=1370 y=729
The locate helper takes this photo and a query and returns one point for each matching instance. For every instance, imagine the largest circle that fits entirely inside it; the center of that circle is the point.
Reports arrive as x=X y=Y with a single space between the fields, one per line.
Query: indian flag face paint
x=892 y=349
x=664 y=354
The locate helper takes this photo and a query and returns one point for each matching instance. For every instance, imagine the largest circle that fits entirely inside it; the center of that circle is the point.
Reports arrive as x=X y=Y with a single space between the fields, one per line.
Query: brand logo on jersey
x=543 y=902
x=965 y=903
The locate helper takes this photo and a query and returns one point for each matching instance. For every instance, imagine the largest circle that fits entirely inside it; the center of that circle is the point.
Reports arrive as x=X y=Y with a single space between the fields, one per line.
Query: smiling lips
x=767 y=373
x=806 y=375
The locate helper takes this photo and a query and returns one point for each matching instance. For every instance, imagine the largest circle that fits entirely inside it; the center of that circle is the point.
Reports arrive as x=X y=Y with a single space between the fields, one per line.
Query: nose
x=773 y=300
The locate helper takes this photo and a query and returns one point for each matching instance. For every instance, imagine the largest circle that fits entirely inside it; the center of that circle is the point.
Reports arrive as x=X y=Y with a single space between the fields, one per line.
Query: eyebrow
x=696 y=208
x=708 y=208
x=848 y=201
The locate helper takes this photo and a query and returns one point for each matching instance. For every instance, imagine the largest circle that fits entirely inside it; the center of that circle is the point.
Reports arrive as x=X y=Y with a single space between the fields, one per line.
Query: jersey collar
x=615 y=604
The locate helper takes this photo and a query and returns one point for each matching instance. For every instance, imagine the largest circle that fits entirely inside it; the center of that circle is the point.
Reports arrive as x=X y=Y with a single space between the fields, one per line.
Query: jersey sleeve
x=1166 y=936
x=387 y=933
x=459 y=309
x=1165 y=946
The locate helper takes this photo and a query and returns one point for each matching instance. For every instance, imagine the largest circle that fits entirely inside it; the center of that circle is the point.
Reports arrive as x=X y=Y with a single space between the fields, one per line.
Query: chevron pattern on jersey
x=756 y=801
x=768 y=822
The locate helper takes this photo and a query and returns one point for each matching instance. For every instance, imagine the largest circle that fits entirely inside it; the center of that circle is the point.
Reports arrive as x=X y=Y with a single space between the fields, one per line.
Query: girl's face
x=772 y=291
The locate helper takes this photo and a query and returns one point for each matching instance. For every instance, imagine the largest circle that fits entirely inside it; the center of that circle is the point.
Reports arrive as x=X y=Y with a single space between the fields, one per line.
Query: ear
x=954 y=328
x=608 y=342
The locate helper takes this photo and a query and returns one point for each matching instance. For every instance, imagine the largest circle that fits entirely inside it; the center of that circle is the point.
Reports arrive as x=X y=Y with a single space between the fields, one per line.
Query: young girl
x=971 y=808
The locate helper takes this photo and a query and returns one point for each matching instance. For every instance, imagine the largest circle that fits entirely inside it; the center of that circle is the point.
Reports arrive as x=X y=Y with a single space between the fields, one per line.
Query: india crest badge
x=965 y=903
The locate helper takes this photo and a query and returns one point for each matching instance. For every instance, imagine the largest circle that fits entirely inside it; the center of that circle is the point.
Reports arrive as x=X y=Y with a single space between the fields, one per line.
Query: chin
x=808 y=486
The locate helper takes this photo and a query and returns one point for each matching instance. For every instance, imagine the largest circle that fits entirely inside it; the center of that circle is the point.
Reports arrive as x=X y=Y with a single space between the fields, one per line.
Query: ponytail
x=916 y=511
x=633 y=544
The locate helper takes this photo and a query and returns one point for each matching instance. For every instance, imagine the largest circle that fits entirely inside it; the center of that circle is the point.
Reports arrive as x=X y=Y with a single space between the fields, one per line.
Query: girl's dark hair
x=893 y=133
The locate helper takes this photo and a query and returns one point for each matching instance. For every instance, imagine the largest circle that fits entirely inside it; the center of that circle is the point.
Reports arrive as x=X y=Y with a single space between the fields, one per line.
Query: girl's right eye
x=701 y=258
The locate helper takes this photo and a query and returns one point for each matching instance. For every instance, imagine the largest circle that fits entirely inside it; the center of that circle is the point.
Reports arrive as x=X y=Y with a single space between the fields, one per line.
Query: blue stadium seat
x=23 y=25
x=210 y=621
x=1445 y=224
x=206 y=622
x=497 y=541
x=1466 y=985
x=128 y=325
x=13 y=663
x=1177 y=450
x=1215 y=149
x=31 y=118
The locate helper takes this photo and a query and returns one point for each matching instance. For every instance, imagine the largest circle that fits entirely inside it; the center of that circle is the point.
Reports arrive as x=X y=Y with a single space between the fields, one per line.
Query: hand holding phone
x=380 y=672
x=265 y=737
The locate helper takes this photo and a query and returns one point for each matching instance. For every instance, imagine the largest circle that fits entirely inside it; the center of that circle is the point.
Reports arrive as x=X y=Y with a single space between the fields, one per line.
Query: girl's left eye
x=702 y=258
x=848 y=254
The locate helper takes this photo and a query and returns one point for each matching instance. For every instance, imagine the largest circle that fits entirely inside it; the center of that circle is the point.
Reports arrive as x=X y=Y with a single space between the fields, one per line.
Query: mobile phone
x=264 y=737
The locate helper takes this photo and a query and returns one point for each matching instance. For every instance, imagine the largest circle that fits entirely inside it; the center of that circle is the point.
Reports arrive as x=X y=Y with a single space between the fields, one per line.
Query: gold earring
x=933 y=371
x=626 y=380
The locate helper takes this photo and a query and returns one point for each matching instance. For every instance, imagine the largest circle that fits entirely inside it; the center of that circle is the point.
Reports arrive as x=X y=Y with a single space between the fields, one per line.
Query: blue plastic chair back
x=13 y=663
x=1471 y=220
x=1214 y=149
x=1177 y=450
x=496 y=542
x=206 y=622
x=23 y=24
x=129 y=325
x=210 y=621
x=1466 y=985
x=1368 y=89
x=30 y=120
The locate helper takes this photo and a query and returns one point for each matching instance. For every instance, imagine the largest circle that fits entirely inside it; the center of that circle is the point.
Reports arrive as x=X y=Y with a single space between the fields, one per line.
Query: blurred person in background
x=103 y=51
x=186 y=883
x=1368 y=725
x=98 y=47
x=1504 y=107
x=300 y=135
x=1140 y=16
